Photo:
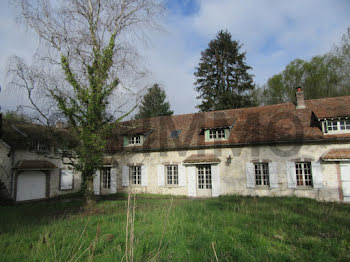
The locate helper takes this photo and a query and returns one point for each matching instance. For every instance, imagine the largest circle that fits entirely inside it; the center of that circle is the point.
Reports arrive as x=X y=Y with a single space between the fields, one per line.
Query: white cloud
x=273 y=32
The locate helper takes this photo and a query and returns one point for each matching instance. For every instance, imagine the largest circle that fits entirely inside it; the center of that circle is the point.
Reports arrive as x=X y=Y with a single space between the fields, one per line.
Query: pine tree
x=222 y=77
x=153 y=104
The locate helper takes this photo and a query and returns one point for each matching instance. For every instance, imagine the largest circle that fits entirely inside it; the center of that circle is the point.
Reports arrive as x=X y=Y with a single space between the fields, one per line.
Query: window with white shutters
x=106 y=177
x=261 y=174
x=135 y=175
x=303 y=174
x=172 y=177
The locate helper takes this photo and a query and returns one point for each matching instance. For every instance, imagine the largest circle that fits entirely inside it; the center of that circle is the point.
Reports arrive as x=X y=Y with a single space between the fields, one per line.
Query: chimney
x=300 y=98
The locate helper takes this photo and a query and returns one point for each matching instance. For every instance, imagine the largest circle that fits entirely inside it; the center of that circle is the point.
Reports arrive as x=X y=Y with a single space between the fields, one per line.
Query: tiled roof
x=333 y=154
x=256 y=125
x=201 y=159
x=34 y=165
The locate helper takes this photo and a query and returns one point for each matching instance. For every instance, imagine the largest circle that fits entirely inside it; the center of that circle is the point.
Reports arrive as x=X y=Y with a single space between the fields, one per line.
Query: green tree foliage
x=153 y=104
x=323 y=76
x=85 y=41
x=222 y=77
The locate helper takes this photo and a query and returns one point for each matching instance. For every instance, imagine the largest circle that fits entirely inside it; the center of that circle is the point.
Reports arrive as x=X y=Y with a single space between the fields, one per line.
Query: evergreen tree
x=153 y=104
x=222 y=77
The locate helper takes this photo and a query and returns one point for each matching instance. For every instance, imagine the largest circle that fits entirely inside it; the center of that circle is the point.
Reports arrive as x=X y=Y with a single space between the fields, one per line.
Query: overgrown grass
x=239 y=228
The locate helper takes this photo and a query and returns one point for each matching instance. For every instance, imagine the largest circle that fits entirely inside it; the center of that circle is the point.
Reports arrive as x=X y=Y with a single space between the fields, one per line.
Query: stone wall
x=233 y=176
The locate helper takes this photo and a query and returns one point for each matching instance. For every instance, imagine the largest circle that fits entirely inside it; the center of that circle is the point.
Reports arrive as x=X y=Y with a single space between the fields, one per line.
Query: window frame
x=206 y=182
x=173 y=175
x=105 y=174
x=134 y=140
x=303 y=179
x=217 y=133
x=137 y=179
x=336 y=126
x=261 y=174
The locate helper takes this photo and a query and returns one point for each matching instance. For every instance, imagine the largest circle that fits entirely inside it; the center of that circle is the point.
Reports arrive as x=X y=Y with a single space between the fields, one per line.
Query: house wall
x=233 y=176
x=5 y=166
x=54 y=174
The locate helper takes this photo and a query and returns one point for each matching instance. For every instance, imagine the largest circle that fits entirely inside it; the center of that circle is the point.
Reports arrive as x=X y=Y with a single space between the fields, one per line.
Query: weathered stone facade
x=232 y=176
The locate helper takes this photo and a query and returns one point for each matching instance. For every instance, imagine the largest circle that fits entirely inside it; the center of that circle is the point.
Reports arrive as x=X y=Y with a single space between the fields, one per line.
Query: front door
x=345 y=179
x=204 y=181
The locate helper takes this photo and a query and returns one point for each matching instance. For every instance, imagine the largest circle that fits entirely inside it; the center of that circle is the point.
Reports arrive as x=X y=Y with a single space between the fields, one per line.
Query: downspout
x=12 y=152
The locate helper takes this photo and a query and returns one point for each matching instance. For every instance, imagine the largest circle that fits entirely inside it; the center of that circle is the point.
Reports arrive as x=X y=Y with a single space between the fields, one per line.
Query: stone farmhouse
x=293 y=149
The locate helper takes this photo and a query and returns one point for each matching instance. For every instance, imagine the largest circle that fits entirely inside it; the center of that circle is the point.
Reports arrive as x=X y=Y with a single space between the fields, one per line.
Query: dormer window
x=175 y=133
x=344 y=125
x=134 y=140
x=217 y=134
x=336 y=126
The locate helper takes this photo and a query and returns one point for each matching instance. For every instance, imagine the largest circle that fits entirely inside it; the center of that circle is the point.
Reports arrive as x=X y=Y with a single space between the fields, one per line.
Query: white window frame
x=135 y=140
x=261 y=174
x=172 y=175
x=303 y=173
x=206 y=180
x=135 y=175
x=106 y=177
x=217 y=133
x=336 y=126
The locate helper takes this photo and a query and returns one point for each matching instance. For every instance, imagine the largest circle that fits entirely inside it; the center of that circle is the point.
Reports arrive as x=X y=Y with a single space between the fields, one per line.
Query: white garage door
x=31 y=185
x=345 y=178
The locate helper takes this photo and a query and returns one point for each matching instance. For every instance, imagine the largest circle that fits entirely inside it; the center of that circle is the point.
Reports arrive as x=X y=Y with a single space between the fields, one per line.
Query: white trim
x=336 y=160
x=113 y=180
x=161 y=176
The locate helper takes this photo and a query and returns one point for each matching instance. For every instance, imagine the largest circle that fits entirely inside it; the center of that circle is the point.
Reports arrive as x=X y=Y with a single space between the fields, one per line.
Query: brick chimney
x=300 y=98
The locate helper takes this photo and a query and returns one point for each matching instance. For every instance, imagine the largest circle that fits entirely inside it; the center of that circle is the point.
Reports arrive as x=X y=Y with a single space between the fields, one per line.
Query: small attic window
x=133 y=140
x=217 y=134
x=175 y=133
x=336 y=126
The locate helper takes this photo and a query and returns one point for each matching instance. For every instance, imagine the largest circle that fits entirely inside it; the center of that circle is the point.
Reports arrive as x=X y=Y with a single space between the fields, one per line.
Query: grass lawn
x=239 y=228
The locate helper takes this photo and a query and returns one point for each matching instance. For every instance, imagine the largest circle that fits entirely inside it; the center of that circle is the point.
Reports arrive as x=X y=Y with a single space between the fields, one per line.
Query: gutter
x=213 y=146
x=336 y=159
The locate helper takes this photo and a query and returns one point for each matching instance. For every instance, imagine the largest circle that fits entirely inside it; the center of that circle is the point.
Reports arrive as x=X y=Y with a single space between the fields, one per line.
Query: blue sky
x=273 y=33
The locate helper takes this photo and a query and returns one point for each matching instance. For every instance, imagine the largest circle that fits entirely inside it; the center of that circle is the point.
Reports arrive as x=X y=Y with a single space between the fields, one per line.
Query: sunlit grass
x=240 y=229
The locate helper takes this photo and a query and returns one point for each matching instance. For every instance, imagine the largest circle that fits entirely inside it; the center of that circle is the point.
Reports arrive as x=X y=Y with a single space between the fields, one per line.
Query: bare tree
x=86 y=47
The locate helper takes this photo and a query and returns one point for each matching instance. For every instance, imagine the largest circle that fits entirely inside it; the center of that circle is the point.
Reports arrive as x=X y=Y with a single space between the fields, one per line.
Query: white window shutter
x=144 y=175
x=291 y=175
x=161 y=176
x=97 y=182
x=215 y=176
x=66 y=179
x=317 y=177
x=273 y=175
x=191 y=173
x=125 y=176
x=182 y=175
x=113 y=180
x=250 y=174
